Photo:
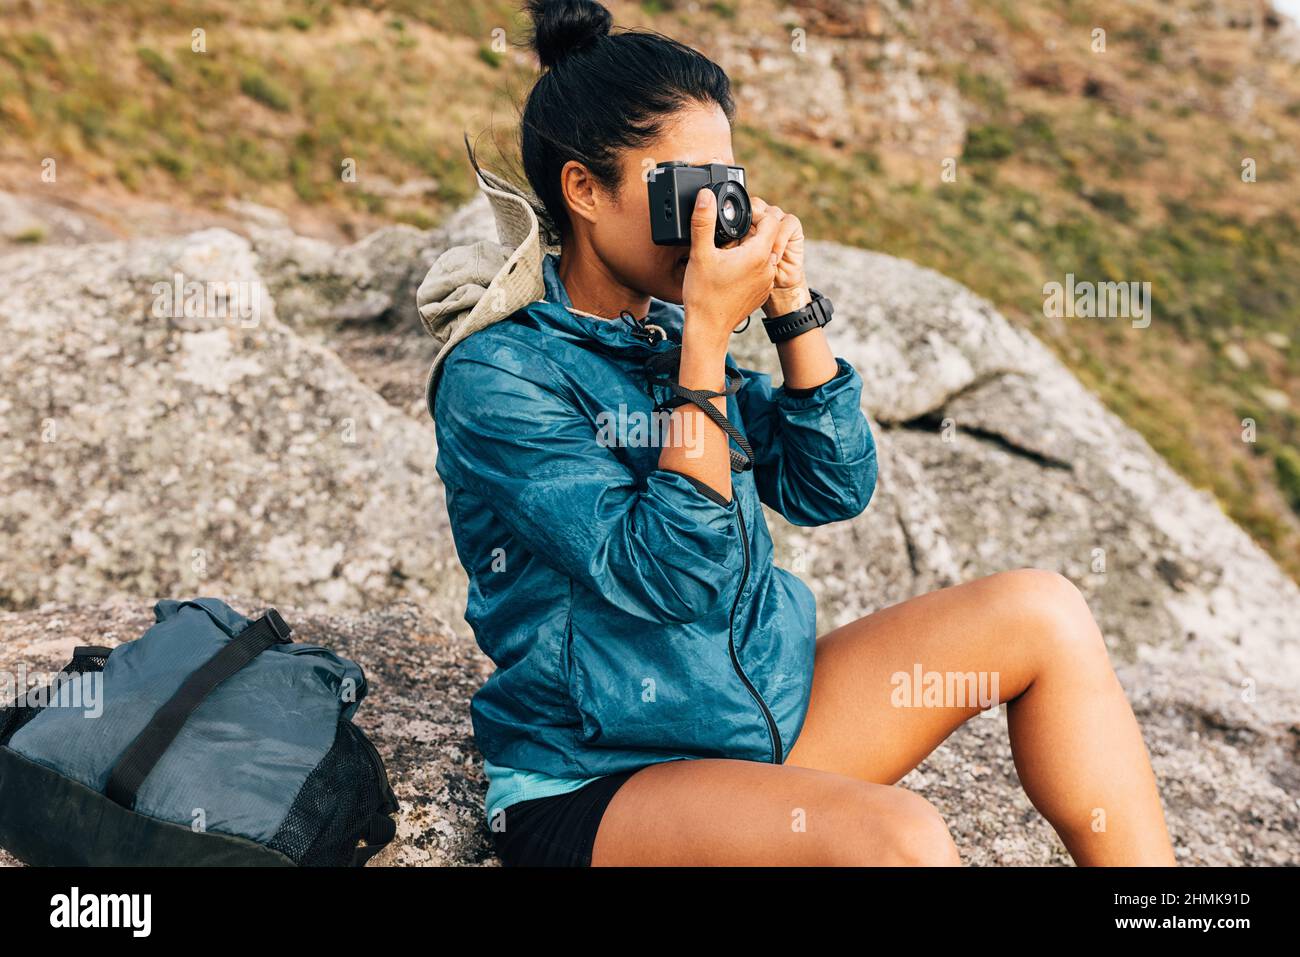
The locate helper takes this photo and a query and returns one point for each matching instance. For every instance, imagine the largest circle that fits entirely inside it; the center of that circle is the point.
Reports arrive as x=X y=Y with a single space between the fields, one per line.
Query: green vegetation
x=157 y=65
x=989 y=142
x=1287 y=461
x=269 y=110
x=256 y=85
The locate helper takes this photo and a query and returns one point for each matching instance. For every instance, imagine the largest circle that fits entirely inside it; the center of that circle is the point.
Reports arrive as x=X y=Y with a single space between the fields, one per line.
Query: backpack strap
x=138 y=760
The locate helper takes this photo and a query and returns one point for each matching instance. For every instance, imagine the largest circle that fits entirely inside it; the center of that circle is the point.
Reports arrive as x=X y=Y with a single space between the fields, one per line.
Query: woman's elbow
x=857 y=482
x=695 y=598
x=678 y=593
x=864 y=487
x=839 y=501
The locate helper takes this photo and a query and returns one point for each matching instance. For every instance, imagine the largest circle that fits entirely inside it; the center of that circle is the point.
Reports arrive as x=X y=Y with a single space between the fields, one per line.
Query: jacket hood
x=470 y=287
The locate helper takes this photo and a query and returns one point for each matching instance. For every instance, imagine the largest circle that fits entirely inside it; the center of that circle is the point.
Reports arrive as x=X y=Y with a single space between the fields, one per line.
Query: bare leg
x=717 y=812
x=1076 y=743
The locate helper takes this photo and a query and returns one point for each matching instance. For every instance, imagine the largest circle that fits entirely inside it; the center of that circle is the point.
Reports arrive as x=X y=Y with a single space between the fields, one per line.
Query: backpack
x=210 y=740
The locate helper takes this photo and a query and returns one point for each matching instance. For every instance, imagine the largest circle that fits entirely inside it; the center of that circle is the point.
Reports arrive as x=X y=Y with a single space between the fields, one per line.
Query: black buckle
x=823 y=308
x=278 y=625
x=648 y=332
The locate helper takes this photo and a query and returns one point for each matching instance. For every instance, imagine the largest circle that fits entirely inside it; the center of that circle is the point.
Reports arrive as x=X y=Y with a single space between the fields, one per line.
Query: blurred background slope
x=1121 y=164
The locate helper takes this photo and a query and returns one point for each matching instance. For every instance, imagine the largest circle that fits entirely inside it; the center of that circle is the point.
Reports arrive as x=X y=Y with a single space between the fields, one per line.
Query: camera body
x=673 y=187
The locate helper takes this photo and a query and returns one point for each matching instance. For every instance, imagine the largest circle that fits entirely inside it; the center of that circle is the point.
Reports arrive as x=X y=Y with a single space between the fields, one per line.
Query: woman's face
x=619 y=229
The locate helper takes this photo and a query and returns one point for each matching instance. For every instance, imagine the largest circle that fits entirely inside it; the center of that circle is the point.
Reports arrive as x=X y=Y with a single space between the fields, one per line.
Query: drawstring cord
x=649 y=332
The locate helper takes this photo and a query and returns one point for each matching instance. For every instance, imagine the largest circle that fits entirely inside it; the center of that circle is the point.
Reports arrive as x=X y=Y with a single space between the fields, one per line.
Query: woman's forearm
x=700 y=448
x=806 y=360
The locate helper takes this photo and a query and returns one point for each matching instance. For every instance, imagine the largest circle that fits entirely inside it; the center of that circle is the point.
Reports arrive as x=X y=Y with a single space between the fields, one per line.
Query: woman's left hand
x=789 y=287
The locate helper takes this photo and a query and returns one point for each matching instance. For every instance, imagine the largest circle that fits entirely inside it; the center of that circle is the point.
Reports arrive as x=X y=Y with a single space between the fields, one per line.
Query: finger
x=757 y=210
x=789 y=228
x=767 y=211
x=704 y=221
x=765 y=233
x=774 y=213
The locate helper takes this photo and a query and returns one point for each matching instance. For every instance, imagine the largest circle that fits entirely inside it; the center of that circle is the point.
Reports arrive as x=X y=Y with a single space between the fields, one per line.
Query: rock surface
x=993 y=456
x=316 y=283
x=1227 y=768
x=27 y=220
x=136 y=440
x=149 y=448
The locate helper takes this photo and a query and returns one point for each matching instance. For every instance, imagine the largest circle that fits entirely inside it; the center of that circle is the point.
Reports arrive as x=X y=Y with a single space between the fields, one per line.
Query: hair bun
x=563 y=27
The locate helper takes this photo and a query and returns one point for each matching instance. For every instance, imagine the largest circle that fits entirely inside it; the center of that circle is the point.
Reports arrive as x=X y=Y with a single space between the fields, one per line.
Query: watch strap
x=812 y=316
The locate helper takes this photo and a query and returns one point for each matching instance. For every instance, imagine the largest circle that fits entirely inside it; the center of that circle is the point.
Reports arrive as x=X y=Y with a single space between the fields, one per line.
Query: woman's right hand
x=723 y=286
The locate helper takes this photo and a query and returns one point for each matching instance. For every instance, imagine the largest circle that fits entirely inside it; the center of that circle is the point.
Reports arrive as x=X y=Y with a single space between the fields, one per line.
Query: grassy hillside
x=1120 y=165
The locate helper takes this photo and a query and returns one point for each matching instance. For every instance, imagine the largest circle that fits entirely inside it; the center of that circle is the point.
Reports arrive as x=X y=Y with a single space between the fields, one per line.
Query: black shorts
x=556 y=831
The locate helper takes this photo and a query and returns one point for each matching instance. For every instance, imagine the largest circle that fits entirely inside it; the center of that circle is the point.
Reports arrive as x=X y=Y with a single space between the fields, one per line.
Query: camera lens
x=734 y=212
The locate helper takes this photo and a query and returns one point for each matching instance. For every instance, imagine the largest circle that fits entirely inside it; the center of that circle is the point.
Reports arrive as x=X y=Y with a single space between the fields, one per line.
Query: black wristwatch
x=812 y=316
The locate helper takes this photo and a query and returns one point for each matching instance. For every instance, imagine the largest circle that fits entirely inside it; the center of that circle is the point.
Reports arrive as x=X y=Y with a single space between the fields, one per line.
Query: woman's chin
x=675 y=281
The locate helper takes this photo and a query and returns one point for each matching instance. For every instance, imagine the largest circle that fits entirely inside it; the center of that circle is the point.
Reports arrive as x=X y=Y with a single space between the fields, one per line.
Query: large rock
x=316 y=284
x=146 y=451
x=992 y=455
x=175 y=434
x=360 y=299
x=29 y=220
x=1226 y=768
x=848 y=86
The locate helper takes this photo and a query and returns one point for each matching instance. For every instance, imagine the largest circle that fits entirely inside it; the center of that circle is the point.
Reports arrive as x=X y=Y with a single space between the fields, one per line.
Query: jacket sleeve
x=814 y=455
x=509 y=430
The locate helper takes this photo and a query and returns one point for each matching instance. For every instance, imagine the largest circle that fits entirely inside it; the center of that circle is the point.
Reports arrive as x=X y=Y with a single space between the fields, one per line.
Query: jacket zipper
x=772 y=729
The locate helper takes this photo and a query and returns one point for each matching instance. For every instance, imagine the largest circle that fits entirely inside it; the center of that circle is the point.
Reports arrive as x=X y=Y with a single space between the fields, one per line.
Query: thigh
x=863 y=721
x=721 y=812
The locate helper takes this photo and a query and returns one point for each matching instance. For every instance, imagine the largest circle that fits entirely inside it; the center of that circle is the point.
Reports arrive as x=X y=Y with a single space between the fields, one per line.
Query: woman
x=660 y=695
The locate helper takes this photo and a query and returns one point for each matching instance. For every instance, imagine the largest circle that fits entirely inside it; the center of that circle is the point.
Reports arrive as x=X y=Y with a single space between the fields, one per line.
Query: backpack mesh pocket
x=338 y=803
x=17 y=714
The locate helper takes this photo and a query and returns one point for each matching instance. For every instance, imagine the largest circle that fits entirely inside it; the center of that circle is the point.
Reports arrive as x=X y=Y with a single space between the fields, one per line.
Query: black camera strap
x=661 y=370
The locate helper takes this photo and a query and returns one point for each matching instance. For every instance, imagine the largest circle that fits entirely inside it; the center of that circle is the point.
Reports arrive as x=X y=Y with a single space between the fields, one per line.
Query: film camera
x=673 y=187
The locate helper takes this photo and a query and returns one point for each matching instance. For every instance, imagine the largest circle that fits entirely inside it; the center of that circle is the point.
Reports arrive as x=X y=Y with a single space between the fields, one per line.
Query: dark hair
x=602 y=93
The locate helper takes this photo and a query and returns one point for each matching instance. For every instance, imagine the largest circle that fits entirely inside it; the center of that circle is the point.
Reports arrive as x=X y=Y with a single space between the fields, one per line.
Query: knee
x=915 y=835
x=907 y=832
x=1055 y=608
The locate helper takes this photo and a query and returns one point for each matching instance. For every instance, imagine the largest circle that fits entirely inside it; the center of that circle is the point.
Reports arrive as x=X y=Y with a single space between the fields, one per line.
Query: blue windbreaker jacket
x=634 y=615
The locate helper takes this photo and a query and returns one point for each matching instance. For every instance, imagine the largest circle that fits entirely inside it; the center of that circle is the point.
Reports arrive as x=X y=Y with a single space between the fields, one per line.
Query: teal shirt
x=506 y=786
